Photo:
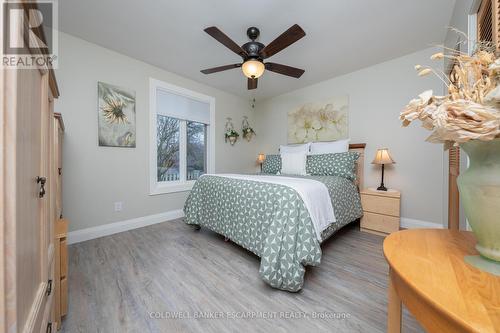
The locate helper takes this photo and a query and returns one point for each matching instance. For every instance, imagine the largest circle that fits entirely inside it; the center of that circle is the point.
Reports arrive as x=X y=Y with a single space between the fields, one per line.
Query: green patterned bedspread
x=270 y=220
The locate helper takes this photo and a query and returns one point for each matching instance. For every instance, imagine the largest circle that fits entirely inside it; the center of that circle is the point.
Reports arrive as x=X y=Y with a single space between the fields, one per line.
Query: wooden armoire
x=30 y=199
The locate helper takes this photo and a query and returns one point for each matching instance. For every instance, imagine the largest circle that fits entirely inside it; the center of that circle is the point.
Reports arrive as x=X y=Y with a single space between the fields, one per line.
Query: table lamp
x=260 y=159
x=382 y=157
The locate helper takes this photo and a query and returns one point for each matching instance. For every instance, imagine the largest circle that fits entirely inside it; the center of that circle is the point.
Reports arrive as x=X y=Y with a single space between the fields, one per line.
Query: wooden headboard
x=360 y=164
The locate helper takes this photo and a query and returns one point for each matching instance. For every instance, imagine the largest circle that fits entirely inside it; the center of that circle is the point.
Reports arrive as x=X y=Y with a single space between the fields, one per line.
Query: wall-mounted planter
x=247 y=132
x=231 y=135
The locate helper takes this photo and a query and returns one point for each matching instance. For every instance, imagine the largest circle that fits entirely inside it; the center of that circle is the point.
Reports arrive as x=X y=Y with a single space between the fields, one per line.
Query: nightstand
x=380 y=211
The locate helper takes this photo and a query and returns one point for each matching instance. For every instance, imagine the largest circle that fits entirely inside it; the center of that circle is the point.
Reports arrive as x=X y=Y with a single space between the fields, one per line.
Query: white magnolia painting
x=116 y=116
x=319 y=121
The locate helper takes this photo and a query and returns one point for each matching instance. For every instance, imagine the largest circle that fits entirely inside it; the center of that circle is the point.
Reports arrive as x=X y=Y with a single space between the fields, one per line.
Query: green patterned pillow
x=272 y=164
x=340 y=164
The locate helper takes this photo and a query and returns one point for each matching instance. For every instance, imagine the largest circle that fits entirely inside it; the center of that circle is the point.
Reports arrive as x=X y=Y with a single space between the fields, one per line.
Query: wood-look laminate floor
x=120 y=283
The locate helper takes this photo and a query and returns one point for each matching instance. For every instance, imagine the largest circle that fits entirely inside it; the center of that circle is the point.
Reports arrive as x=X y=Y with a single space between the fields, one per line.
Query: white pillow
x=339 y=146
x=293 y=163
x=295 y=148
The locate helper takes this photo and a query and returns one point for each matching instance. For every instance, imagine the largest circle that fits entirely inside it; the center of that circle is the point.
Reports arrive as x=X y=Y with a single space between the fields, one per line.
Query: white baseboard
x=419 y=224
x=82 y=235
x=139 y=222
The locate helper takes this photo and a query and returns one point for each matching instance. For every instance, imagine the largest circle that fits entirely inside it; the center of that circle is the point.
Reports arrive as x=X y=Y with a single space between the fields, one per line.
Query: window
x=167 y=147
x=181 y=138
x=487 y=21
x=196 y=150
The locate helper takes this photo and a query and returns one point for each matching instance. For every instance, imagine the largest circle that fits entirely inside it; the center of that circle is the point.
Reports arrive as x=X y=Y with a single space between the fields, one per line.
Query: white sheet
x=314 y=194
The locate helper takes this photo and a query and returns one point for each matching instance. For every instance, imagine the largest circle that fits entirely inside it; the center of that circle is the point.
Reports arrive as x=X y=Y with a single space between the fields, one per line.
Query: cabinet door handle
x=49 y=287
x=41 y=181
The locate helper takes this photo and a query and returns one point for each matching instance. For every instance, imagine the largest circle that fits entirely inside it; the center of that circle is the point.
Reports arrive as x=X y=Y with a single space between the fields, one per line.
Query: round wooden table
x=429 y=275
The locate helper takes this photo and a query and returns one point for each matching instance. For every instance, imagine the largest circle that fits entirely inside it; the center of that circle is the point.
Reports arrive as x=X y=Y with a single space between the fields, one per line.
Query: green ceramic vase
x=479 y=188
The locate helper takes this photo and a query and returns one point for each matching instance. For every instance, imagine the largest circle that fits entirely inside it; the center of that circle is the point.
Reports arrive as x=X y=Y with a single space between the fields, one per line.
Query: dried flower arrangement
x=470 y=110
x=469 y=116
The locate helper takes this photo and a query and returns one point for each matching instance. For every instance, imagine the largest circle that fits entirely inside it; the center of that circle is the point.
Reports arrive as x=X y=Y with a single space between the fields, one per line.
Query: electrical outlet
x=118 y=206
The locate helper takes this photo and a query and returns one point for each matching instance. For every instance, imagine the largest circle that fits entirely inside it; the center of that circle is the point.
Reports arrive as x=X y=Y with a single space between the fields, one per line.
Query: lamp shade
x=383 y=157
x=261 y=158
x=253 y=68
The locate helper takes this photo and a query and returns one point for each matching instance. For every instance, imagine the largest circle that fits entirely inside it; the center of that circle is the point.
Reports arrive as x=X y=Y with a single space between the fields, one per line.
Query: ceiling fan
x=253 y=53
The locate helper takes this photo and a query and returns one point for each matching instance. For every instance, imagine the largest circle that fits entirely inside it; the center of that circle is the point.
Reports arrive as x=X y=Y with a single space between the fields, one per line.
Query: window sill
x=162 y=188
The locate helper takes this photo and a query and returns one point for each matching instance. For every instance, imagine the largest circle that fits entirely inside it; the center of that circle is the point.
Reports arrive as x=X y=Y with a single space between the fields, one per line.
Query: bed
x=276 y=217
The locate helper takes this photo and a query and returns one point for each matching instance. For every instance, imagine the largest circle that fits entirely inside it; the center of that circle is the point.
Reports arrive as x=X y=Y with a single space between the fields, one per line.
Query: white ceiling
x=341 y=36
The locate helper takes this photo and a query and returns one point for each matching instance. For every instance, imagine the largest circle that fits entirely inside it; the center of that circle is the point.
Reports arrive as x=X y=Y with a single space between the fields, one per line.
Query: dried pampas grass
x=425 y=72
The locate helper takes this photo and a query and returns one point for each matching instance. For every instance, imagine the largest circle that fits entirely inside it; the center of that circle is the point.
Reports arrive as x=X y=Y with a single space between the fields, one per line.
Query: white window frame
x=472 y=28
x=156 y=187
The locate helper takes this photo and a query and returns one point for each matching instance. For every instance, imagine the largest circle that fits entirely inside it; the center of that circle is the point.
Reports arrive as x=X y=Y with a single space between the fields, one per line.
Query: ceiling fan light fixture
x=254 y=53
x=253 y=69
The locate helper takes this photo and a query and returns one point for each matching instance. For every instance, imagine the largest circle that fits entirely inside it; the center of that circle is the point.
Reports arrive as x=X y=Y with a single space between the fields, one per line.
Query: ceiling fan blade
x=293 y=34
x=284 y=69
x=219 y=69
x=225 y=40
x=252 y=84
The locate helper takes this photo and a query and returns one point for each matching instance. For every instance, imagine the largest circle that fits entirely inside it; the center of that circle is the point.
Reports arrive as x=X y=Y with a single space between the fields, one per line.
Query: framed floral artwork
x=116 y=116
x=314 y=122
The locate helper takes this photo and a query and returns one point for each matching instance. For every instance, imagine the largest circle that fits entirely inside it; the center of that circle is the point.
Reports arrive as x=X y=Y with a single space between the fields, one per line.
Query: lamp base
x=381 y=188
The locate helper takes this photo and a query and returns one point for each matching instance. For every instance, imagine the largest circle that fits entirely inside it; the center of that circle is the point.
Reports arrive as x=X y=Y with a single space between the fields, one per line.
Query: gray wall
x=377 y=94
x=95 y=177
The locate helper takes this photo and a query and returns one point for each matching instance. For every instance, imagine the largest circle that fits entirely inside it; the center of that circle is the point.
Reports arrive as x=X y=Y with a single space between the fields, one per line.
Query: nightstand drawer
x=380 y=205
x=378 y=222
